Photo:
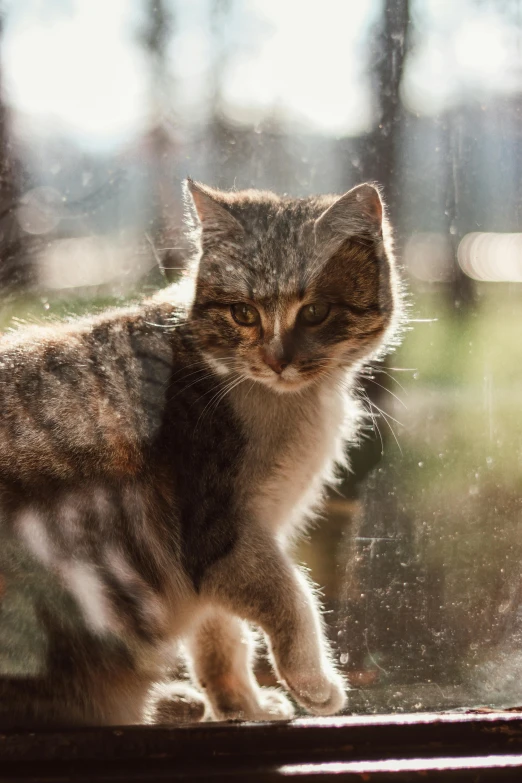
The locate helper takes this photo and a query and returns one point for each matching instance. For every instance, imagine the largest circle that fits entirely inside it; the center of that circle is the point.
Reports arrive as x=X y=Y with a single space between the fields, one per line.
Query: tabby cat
x=157 y=461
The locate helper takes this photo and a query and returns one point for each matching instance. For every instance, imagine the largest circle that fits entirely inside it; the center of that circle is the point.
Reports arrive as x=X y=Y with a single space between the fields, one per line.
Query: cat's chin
x=281 y=385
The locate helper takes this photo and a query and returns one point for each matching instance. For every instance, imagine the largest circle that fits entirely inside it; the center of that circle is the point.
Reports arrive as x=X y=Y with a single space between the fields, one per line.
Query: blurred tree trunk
x=379 y=160
x=17 y=268
x=161 y=147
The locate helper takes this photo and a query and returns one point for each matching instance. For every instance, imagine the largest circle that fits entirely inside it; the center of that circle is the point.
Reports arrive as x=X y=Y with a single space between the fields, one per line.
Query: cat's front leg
x=221 y=649
x=258 y=581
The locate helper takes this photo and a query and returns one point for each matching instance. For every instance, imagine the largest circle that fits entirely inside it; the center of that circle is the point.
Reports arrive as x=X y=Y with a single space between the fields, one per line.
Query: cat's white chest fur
x=294 y=453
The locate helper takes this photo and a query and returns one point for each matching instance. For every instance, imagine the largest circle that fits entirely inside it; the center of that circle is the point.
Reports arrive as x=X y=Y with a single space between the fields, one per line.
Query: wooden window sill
x=401 y=747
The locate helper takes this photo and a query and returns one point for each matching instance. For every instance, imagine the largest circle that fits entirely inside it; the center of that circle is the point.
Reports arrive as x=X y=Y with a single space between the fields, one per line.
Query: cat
x=157 y=461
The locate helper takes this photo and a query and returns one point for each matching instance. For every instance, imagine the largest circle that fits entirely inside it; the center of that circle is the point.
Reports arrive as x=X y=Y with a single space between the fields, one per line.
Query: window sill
x=400 y=747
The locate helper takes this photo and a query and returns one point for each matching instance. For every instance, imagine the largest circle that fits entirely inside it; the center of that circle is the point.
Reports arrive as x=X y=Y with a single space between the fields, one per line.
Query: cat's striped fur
x=155 y=462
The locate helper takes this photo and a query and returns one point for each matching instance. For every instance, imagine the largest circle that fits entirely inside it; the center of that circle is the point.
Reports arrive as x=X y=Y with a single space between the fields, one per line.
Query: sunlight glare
x=480 y=48
x=306 y=69
x=74 y=73
x=491 y=257
x=465 y=55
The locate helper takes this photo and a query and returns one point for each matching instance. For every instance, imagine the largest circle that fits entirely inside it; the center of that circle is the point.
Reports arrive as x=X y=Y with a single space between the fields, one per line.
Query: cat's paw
x=274 y=705
x=176 y=702
x=264 y=704
x=323 y=694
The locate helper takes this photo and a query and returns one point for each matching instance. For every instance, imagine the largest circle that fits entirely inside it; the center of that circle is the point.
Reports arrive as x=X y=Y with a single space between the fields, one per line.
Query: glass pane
x=106 y=107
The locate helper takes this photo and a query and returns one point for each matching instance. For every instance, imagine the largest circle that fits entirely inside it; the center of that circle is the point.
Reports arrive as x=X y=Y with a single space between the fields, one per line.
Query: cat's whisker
x=372 y=380
x=227 y=391
x=387 y=416
x=217 y=385
x=202 y=370
x=202 y=374
x=364 y=398
x=164 y=326
x=220 y=394
x=384 y=372
x=377 y=428
x=378 y=368
x=202 y=363
x=252 y=384
x=216 y=397
x=222 y=383
x=206 y=375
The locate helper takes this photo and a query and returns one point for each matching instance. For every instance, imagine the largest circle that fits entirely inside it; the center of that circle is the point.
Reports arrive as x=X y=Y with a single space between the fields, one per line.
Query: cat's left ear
x=211 y=211
x=359 y=211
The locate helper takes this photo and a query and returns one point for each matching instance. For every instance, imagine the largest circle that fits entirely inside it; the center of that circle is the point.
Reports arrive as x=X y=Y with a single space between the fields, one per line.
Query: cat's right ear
x=210 y=212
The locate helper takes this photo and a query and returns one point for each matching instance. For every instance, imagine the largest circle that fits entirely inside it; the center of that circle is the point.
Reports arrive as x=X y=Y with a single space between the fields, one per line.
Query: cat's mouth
x=291 y=379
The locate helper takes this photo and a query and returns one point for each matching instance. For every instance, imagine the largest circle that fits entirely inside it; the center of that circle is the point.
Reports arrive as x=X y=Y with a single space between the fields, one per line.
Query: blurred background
x=106 y=106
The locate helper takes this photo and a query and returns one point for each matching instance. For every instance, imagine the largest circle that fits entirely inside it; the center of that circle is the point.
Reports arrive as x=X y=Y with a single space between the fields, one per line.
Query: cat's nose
x=276 y=363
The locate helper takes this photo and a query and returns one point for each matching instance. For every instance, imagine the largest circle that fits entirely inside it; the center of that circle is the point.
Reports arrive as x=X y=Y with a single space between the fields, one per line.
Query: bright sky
x=83 y=71
x=306 y=61
x=467 y=51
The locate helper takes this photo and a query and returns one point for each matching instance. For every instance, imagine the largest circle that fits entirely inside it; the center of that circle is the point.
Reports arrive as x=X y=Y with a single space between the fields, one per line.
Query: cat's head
x=288 y=290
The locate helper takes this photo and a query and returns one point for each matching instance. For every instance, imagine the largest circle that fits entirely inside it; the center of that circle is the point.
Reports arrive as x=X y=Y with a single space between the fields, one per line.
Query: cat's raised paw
x=324 y=695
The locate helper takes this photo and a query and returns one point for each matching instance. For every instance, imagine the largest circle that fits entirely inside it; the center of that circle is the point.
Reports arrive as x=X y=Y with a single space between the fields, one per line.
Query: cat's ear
x=211 y=212
x=359 y=211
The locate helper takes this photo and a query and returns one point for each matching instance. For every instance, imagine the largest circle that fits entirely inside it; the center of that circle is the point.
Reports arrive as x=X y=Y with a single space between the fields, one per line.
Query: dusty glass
x=105 y=107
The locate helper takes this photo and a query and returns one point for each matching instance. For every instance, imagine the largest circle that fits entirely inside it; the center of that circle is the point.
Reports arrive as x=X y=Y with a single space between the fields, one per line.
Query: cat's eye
x=245 y=314
x=313 y=314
